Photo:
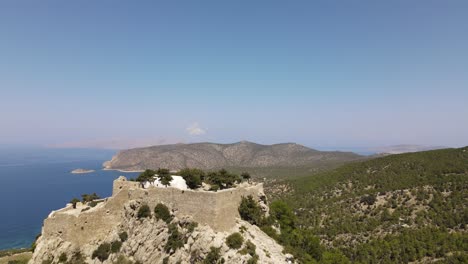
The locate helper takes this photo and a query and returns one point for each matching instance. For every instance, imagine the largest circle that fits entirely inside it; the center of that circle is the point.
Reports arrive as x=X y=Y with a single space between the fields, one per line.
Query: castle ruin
x=83 y=224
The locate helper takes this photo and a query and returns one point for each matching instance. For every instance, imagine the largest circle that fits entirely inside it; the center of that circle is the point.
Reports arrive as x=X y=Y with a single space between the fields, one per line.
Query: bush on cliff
x=162 y=212
x=144 y=211
x=214 y=256
x=250 y=211
x=63 y=258
x=249 y=248
x=115 y=246
x=102 y=252
x=123 y=236
x=234 y=240
x=175 y=240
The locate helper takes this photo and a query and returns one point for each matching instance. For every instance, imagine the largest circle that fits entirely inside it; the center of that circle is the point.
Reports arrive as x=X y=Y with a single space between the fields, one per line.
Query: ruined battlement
x=218 y=210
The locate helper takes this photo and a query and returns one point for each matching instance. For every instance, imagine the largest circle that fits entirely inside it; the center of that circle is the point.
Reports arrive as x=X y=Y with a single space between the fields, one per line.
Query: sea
x=35 y=181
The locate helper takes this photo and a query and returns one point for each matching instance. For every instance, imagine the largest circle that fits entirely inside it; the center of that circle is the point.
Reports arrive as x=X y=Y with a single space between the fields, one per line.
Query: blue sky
x=321 y=73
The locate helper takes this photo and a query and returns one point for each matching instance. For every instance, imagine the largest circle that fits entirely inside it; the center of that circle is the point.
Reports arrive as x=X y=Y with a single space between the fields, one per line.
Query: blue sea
x=33 y=182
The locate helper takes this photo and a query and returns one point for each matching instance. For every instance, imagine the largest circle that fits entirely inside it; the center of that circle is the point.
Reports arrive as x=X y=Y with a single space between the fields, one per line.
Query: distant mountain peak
x=212 y=155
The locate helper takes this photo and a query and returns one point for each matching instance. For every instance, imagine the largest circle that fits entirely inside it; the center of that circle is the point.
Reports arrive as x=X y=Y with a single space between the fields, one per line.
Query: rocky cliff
x=213 y=156
x=114 y=231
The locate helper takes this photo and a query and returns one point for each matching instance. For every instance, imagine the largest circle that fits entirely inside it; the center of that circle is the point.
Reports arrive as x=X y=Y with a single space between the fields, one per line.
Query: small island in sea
x=81 y=171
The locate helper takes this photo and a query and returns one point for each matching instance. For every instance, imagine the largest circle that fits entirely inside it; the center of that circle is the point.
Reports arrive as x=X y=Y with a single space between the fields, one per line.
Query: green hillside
x=394 y=209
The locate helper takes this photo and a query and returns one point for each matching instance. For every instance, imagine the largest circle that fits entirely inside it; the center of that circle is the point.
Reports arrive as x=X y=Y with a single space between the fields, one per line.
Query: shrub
x=166 y=260
x=102 y=252
x=63 y=257
x=115 y=246
x=175 y=240
x=92 y=203
x=191 y=227
x=162 y=212
x=253 y=259
x=214 y=187
x=249 y=248
x=213 y=256
x=234 y=240
x=368 y=199
x=123 y=236
x=250 y=211
x=144 y=211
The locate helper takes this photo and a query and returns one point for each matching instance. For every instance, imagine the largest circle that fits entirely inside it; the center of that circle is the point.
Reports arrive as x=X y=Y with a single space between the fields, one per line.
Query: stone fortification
x=78 y=233
x=217 y=210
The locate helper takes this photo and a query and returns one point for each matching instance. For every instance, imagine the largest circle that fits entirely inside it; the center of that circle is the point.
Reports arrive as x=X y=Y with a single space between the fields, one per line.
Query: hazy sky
x=321 y=73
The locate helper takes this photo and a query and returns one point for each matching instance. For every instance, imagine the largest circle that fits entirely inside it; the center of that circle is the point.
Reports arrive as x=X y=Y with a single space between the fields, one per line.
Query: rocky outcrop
x=213 y=156
x=190 y=236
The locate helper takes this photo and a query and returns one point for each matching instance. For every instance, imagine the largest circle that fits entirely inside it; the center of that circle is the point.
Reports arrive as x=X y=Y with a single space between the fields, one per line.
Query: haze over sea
x=36 y=181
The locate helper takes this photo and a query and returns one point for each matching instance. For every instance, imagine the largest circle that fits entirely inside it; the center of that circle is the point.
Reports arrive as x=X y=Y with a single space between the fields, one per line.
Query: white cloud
x=195 y=130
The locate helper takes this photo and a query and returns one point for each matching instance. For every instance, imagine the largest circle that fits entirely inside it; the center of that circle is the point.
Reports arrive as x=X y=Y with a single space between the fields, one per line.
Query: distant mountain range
x=212 y=156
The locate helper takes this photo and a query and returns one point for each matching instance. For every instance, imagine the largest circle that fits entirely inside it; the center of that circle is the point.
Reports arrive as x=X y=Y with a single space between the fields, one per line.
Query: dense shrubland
x=393 y=209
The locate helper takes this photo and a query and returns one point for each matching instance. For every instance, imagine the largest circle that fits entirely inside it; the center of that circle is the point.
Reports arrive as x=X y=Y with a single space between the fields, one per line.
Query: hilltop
x=159 y=224
x=214 y=156
x=398 y=208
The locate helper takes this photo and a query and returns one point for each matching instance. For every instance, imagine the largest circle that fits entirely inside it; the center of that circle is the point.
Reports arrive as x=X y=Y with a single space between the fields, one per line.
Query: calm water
x=35 y=182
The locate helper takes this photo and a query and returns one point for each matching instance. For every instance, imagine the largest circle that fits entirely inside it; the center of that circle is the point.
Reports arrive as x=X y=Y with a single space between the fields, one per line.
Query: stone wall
x=218 y=210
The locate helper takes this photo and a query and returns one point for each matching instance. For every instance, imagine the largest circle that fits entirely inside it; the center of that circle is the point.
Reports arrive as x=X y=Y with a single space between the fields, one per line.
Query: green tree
x=222 y=179
x=282 y=213
x=193 y=177
x=164 y=176
x=246 y=176
x=89 y=197
x=147 y=175
x=74 y=201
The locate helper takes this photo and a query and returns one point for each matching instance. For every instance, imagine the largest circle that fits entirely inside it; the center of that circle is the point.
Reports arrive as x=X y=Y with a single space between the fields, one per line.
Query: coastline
x=125 y=171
